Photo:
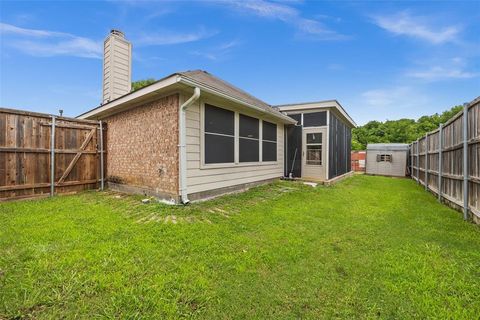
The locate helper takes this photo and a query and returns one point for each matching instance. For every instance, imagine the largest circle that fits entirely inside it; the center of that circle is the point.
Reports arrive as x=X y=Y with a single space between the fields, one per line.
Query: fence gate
x=36 y=149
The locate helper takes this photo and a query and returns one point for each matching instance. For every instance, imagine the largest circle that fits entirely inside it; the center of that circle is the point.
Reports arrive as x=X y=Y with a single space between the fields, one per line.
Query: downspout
x=182 y=131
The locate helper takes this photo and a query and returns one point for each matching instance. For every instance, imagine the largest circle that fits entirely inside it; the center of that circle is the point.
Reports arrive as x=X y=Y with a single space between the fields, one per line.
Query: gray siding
x=396 y=168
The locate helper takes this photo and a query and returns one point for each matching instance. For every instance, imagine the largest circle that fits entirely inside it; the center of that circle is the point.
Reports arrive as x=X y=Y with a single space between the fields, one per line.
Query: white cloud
x=442 y=73
x=384 y=97
x=6 y=29
x=396 y=97
x=406 y=24
x=455 y=68
x=389 y=102
x=47 y=43
x=289 y=15
x=218 y=52
x=168 y=37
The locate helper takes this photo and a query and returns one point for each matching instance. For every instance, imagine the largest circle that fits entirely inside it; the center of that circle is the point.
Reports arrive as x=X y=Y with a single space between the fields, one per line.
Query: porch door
x=314 y=153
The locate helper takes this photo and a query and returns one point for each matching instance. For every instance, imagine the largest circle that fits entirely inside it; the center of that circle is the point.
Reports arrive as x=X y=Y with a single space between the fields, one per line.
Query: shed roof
x=387 y=147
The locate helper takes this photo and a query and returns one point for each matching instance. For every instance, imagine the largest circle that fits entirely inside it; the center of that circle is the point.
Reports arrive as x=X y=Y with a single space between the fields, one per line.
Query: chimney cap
x=117 y=33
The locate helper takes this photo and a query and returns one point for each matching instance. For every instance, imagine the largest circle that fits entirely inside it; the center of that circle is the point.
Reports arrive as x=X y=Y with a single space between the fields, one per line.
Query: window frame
x=257 y=139
x=314 y=144
x=236 y=162
x=385 y=157
x=228 y=135
x=262 y=140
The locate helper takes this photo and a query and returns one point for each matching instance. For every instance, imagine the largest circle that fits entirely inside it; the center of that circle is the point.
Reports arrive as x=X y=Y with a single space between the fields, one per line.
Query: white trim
x=236 y=163
x=182 y=145
x=327 y=162
x=131 y=96
x=171 y=80
x=287 y=109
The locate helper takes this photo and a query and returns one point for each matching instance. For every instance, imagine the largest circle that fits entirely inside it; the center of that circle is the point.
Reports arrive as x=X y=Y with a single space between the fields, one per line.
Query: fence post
x=440 y=161
x=102 y=183
x=465 y=161
x=52 y=158
x=426 y=161
x=418 y=161
x=411 y=160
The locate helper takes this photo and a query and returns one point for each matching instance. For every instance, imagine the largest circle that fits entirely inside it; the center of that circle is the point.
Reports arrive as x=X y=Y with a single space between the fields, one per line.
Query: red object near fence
x=358 y=161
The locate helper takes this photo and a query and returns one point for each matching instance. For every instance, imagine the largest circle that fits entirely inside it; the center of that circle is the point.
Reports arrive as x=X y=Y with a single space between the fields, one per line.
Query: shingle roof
x=206 y=79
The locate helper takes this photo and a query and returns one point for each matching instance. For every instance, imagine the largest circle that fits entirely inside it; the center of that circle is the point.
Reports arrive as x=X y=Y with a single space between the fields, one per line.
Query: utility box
x=387 y=159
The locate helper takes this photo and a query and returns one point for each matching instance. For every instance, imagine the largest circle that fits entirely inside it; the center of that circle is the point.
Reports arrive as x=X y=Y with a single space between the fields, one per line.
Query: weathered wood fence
x=38 y=149
x=447 y=161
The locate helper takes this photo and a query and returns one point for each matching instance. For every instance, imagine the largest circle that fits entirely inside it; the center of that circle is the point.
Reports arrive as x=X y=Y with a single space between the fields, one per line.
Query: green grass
x=369 y=247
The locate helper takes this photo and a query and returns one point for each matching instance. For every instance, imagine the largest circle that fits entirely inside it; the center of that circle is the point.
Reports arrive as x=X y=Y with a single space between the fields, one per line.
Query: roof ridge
x=231 y=85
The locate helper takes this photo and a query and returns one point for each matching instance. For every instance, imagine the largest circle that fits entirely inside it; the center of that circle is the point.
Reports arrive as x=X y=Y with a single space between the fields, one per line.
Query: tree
x=398 y=131
x=142 y=83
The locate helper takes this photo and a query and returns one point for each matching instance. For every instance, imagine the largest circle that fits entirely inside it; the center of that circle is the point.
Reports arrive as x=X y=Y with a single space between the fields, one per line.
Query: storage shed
x=387 y=159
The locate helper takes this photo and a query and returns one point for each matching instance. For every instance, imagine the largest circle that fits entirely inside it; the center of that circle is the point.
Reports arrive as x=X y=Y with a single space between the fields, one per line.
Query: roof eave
x=161 y=84
x=193 y=83
x=324 y=104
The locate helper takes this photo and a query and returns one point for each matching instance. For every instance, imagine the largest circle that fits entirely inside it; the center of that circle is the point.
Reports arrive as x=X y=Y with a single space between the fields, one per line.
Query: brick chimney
x=117 y=66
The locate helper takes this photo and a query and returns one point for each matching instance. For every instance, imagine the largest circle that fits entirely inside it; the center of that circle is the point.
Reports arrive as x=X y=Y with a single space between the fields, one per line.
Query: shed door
x=313 y=154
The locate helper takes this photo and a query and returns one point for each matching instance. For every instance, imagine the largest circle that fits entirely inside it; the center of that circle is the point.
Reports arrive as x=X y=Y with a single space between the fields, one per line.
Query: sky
x=381 y=60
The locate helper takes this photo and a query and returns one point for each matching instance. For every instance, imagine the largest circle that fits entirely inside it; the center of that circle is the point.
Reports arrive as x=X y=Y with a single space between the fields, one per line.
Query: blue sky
x=381 y=60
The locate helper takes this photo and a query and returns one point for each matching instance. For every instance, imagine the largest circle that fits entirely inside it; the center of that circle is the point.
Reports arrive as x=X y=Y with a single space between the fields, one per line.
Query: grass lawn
x=369 y=247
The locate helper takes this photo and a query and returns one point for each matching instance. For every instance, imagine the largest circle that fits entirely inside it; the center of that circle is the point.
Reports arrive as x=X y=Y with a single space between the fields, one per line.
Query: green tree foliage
x=142 y=83
x=398 y=131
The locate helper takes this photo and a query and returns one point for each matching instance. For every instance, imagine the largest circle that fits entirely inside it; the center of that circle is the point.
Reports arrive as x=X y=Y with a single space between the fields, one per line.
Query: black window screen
x=249 y=150
x=269 y=131
x=248 y=140
x=218 y=120
x=315 y=119
x=314 y=137
x=269 y=143
x=297 y=117
x=219 y=135
x=269 y=151
x=248 y=127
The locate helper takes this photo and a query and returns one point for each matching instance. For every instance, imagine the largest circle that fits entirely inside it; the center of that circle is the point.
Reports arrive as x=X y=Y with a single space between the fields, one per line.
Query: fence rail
x=37 y=149
x=447 y=161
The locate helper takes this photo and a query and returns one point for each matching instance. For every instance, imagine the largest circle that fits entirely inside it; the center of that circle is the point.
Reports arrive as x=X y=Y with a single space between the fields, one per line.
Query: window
x=248 y=139
x=315 y=119
x=269 y=141
x=384 y=158
x=219 y=135
x=314 y=149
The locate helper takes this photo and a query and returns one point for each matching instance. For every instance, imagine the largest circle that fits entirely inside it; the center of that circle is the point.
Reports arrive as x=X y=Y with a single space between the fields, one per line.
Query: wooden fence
x=447 y=161
x=36 y=149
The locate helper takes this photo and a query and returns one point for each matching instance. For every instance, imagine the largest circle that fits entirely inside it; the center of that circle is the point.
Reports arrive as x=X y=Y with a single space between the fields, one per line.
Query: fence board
x=25 y=151
x=445 y=175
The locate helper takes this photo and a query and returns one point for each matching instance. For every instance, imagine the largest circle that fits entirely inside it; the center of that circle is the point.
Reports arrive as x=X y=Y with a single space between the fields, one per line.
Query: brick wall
x=142 y=146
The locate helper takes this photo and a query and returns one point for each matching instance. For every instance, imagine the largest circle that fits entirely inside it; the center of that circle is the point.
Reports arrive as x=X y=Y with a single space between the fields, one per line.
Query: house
x=387 y=159
x=192 y=135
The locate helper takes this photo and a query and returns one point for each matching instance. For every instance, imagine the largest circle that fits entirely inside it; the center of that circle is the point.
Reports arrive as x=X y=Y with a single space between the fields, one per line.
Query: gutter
x=182 y=132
